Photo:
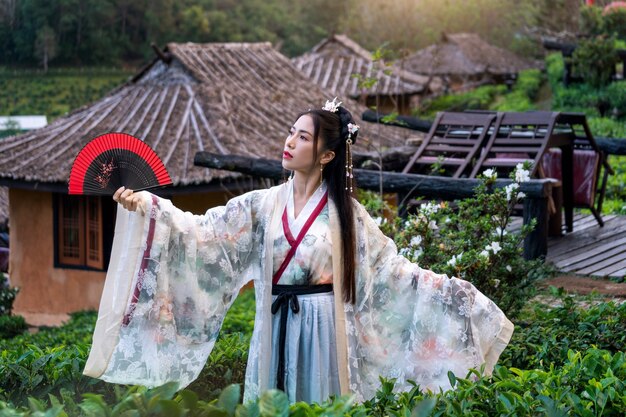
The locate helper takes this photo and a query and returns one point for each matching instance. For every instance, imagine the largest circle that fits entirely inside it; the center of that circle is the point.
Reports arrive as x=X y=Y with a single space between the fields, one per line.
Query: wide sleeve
x=171 y=279
x=410 y=323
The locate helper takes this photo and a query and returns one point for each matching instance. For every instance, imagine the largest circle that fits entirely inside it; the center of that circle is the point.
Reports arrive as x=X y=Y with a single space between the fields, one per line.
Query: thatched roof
x=4 y=205
x=464 y=54
x=332 y=63
x=224 y=98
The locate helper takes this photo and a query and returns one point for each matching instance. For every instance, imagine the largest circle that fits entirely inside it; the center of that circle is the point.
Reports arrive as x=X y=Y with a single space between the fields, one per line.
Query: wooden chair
x=452 y=142
x=535 y=136
x=590 y=164
x=517 y=138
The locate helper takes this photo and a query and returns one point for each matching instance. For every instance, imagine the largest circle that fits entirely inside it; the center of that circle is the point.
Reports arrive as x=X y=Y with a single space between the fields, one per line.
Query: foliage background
x=107 y=32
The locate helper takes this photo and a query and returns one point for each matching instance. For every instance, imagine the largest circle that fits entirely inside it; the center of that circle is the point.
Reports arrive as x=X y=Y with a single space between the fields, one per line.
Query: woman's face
x=299 y=145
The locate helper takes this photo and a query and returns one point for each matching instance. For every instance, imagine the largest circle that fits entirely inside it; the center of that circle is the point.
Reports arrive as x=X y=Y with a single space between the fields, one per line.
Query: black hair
x=332 y=127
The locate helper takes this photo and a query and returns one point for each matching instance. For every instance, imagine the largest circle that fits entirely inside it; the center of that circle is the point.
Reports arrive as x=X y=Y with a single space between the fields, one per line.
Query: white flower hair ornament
x=332 y=106
x=352 y=129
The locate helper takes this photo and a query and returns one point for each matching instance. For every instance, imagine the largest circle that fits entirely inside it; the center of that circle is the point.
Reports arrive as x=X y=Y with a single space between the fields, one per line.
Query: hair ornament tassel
x=352 y=130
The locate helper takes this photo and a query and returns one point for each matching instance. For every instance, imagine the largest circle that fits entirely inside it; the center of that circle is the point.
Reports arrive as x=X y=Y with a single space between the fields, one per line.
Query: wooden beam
x=443 y=188
x=612 y=146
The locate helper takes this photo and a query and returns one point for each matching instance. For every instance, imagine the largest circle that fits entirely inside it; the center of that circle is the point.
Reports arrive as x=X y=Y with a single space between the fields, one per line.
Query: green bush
x=615 y=22
x=51 y=361
x=11 y=326
x=616 y=96
x=78 y=329
x=588 y=384
x=470 y=241
x=7 y=297
x=477 y=99
x=594 y=60
x=529 y=82
x=38 y=371
x=544 y=335
x=555 y=68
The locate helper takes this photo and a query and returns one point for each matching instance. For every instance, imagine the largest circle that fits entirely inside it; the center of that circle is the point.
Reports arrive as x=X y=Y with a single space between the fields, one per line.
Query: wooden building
x=465 y=61
x=340 y=65
x=222 y=98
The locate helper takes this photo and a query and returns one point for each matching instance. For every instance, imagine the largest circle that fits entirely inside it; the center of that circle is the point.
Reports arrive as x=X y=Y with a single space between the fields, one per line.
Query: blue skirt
x=309 y=359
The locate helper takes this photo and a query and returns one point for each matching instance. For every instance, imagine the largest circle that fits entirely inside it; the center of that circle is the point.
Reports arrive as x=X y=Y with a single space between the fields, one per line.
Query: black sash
x=288 y=297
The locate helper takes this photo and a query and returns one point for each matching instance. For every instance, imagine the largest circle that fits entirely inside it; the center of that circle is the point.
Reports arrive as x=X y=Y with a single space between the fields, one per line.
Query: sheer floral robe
x=173 y=276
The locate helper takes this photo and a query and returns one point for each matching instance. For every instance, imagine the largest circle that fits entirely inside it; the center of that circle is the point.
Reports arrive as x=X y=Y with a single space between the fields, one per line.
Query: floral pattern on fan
x=113 y=160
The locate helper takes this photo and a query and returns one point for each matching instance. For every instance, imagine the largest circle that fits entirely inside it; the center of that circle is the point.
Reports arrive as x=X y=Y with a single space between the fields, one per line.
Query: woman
x=336 y=306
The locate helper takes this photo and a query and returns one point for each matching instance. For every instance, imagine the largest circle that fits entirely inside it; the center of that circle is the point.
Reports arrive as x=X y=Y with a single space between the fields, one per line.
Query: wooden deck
x=589 y=250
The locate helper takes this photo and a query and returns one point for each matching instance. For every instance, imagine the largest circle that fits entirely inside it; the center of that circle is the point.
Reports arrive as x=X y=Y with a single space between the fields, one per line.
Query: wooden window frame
x=90 y=232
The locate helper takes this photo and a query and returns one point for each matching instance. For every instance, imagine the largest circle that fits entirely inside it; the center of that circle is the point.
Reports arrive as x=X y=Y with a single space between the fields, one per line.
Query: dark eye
x=304 y=137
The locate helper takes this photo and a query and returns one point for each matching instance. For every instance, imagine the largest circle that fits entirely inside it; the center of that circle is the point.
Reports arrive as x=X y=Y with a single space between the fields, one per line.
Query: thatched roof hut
x=338 y=64
x=224 y=98
x=466 y=56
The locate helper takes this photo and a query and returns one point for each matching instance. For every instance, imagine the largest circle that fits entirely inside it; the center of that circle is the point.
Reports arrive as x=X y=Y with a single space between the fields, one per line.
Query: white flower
x=484 y=254
x=521 y=174
x=500 y=231
x=378 y=220
x=494 y=247
x=509 y=189
x=429 y=208
x=404 y=252
x=447 y=220
x=521 y=195
x=496 y=283
x=489 y=173
x=353 y=128
x=332 y=106
x=433 y=225
x=508 y=268
x=416 y=240
x=454 y=259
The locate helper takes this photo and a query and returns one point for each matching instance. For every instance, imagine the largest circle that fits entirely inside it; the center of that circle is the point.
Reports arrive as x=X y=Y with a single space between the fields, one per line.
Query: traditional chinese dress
x=173 y=276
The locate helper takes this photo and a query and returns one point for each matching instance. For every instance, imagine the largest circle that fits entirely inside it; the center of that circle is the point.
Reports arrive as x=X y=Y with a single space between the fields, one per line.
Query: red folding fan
x=113 y=160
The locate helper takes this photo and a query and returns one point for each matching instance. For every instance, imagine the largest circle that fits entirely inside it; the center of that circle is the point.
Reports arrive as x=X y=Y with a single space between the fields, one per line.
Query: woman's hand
x=129 y=200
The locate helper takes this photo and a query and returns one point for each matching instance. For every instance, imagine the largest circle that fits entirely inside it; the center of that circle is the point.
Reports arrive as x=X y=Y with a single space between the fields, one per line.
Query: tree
x=45 y=46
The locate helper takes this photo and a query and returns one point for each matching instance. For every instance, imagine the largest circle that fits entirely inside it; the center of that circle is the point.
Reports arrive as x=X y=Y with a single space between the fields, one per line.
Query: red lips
x=287 y=155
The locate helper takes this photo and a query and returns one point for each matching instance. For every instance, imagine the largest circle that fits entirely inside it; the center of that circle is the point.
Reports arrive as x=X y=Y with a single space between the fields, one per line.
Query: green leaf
x=169 y=408
x=249 y=410
x=229 y=398
x=35 y=404
x=189 y=399
x=20 y=371
x=164 y=392
x=425 y=407
x=274 y=403
x=452 y=378
x=551 y=408
x=94 y=405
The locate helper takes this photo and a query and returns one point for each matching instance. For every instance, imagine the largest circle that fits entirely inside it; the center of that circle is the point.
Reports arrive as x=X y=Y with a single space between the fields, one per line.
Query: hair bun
x=345 y=118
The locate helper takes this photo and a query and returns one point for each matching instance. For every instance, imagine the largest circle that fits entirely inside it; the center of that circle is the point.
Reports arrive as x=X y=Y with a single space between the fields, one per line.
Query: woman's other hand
x=129 y=200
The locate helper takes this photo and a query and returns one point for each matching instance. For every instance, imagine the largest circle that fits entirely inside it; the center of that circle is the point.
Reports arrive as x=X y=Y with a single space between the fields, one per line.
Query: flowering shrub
x=470 y=240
